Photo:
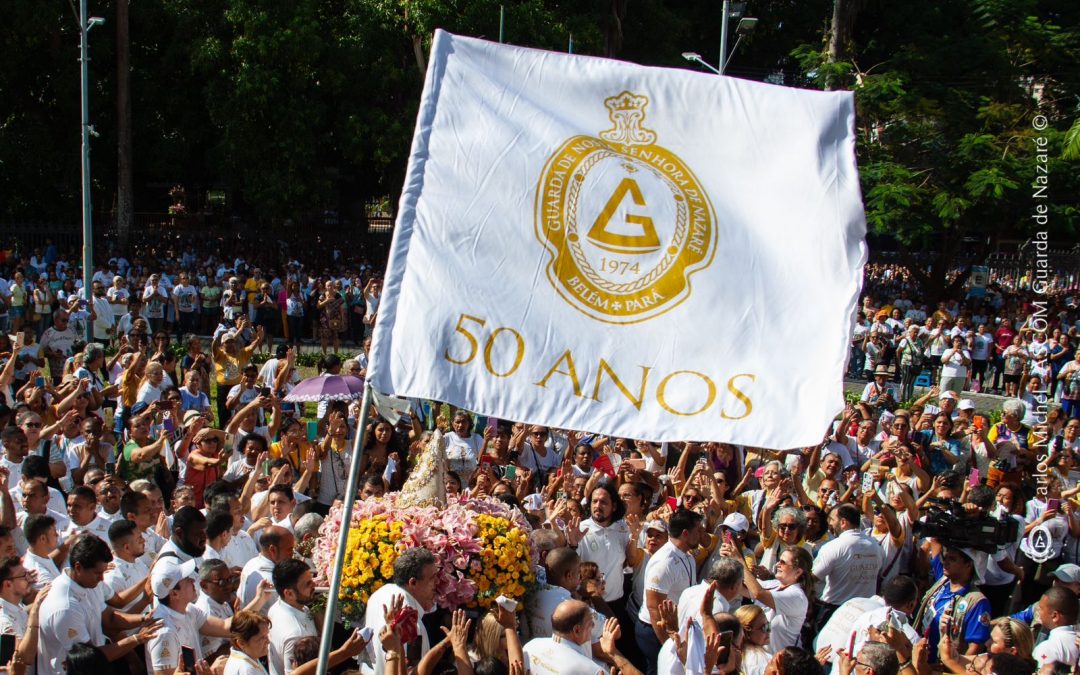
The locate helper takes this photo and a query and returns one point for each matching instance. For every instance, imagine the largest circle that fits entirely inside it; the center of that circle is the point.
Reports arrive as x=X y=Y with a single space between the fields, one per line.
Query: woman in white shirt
x=463 y=447
x=783 y=598
x=954 y=366
x=152 y=383
x=250 y=642
x=756 y=650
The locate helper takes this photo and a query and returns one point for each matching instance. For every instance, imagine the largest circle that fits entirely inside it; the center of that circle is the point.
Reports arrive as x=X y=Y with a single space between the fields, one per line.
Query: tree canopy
x=298 y=107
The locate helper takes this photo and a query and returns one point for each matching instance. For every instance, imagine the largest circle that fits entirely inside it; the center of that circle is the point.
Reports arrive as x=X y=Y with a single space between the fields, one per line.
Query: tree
x=945 y=139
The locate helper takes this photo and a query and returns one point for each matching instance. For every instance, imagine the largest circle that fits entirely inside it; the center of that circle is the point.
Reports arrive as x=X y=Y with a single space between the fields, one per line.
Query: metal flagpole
x=502 y=22
x=85 y=24
x=343 y=536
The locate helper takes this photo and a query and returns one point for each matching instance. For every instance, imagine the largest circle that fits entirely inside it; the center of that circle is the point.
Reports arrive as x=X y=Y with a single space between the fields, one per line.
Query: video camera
x=949 y=523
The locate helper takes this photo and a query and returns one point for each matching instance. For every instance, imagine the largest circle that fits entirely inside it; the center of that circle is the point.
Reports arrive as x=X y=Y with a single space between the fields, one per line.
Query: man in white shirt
x=14 y=589
x=850 y=623
x=415 y=575
x=606 y=538
x=563 y=573
x=290 y=619
x=127 y=578
x=173 y=584
x=102 y=312
x=276 y=545
x=75 y=611
x=849 y=564
x=728 y=575
x=1057 y=610
x=188 y=540
x=669 y=572
x=564 y=653
x=82 y=508
x=14 y=441
x=42 y=540
x=218 y=584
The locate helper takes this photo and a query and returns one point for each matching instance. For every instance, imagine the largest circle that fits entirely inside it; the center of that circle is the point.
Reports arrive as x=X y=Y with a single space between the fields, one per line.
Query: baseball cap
x=1069 y=573
x=736 y=522
x=658 y=525
x=190 y=416
x=966 y=404
x=948 y=394
x=168 y=572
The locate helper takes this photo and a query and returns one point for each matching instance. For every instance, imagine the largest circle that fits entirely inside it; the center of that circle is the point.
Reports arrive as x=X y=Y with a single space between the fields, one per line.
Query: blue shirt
x=976 y=628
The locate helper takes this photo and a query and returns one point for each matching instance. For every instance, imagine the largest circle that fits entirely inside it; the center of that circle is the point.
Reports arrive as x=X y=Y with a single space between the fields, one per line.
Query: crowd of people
x=160 y=499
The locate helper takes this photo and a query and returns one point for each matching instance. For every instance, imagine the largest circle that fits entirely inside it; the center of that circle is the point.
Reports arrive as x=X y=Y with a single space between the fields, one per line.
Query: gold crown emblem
x=627 y=112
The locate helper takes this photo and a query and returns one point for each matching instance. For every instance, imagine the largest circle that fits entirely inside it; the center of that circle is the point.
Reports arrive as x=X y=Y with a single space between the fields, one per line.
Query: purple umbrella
x=327 y=388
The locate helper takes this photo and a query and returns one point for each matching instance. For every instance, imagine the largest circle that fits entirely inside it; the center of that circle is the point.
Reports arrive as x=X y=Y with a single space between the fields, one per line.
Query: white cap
x=948 y=393
x=167 y=573
x=966 y=404
x=737 y=522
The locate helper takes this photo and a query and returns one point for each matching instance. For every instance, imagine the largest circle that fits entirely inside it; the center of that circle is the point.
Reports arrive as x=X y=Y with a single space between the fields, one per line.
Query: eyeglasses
x=787 y=526
x=860 y=663
x=538 y=433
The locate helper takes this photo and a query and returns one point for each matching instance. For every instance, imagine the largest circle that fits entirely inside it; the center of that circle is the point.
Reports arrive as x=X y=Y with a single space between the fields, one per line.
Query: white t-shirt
x=178 y=630
x=542 y=606
x=606 y=546
x=213 y=608
x=187 y=298
x=256 y=569
x=463 y=454
x=690 y=603
x=669 y=572
x=69 y=614
x=849 y=566
x=1059 y=646
x=785 y=622
x=954 y=365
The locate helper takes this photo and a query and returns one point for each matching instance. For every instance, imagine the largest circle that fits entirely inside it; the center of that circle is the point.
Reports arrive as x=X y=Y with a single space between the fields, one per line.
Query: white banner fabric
x=642 y=252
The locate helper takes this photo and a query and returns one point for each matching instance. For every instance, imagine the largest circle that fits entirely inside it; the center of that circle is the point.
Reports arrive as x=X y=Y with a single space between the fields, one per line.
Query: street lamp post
x=85 y=24
x=746 y=25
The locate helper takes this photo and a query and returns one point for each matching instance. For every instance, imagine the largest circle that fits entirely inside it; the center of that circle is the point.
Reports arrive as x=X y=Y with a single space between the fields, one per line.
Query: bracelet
x=392 y=656
x=905 y=664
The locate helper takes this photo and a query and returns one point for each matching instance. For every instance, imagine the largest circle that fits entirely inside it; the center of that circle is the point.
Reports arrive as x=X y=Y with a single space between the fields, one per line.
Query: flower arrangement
x=482 y=546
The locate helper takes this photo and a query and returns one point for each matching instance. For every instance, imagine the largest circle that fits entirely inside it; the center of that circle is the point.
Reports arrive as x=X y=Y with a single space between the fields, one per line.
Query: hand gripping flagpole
x=343 y=535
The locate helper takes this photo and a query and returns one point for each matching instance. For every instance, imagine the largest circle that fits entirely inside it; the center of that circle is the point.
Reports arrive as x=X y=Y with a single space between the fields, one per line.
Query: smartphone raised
x=7 y=648
x=510 y=472
x=187 y=658
x=725 y=639
x=39 y=381
x=1053 y=505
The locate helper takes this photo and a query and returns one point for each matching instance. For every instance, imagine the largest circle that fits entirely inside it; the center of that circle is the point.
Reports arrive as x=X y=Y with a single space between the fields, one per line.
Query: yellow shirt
x=296 y=458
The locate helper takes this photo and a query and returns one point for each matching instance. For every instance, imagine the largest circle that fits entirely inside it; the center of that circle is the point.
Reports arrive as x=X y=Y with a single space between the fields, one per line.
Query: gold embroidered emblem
x=625 y=220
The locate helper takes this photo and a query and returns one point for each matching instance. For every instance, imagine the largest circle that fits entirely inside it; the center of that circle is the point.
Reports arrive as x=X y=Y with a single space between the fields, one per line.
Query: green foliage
x=295 y=107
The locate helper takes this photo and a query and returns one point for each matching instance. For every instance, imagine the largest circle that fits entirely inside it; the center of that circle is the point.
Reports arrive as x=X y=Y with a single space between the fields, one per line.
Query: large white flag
x=642 y=252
